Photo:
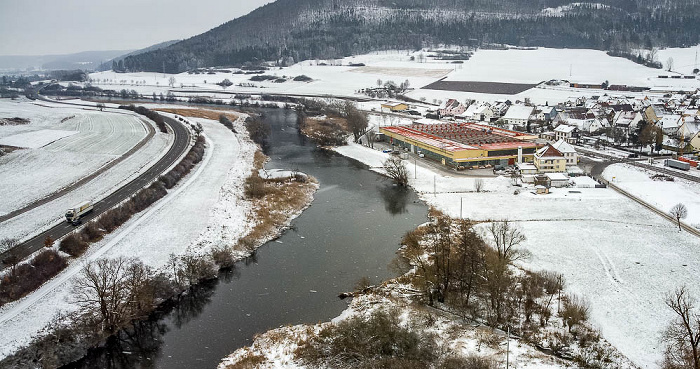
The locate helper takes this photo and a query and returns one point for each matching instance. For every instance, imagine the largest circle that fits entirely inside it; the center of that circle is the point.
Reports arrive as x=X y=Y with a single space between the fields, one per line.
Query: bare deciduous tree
x=478 y=185
x=356 y=120
x=679 y=211
x=576 y=310
x=506 y=238
x=371 y=138
x=101 y=288
x=172 y=81
x=396 y=170
x=682 y=337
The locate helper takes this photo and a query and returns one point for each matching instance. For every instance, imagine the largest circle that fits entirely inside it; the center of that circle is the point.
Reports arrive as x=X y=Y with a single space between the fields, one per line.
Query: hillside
x=108 y=65
x=309 y=29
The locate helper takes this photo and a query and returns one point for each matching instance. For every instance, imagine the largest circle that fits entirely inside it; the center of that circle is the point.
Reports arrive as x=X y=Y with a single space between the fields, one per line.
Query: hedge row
x=150 y=114
x=25 y=278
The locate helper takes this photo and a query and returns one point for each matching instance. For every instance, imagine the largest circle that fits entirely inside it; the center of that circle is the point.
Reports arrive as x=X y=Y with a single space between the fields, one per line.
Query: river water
x=351 y=230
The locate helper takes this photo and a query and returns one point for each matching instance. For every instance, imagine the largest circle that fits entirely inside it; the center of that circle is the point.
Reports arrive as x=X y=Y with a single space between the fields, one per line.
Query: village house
x=569 y=152
x=627 y=120
x=567 y=133
x=545 y=113
x=518 y=115
x=549 y=160
x=451 y=108
x=670 y=124
x=394 y=106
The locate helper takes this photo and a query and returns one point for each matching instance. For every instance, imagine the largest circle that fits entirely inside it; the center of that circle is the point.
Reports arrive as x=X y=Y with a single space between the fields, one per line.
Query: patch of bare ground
x=275 y=202
x=326 y=131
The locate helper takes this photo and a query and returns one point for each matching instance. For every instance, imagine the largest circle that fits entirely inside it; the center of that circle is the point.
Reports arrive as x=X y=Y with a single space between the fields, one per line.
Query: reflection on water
x=395 y=198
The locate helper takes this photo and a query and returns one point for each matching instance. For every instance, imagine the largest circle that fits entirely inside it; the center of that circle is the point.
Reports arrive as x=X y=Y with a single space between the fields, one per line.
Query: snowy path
x=618 y=254
x=187 y=215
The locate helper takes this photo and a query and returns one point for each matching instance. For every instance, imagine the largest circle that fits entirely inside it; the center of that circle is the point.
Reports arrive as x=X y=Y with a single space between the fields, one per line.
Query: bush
x=92 y=232
x=73 y=245
x=27 y=277
x=302 y=78
x=470 y=362
x=575 y=310
x=223 y=257
x=379 y=337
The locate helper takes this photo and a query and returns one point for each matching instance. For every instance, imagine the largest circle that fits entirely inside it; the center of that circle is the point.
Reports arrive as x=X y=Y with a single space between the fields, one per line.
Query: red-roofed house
x=451 y=108
x=550 y=160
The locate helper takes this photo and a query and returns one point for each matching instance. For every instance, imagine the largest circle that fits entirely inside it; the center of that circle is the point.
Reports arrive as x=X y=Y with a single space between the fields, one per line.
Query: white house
x=569 y=152
x=670 y=123
x=566 y=132
x=627 y=120
x=518 y=115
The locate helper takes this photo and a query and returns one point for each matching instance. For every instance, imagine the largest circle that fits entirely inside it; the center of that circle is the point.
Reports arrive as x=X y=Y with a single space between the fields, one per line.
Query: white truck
x=73 y=215
x=677 y=164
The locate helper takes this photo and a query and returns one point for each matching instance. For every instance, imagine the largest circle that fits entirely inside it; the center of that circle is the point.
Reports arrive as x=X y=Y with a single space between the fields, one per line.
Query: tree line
x=311 y=29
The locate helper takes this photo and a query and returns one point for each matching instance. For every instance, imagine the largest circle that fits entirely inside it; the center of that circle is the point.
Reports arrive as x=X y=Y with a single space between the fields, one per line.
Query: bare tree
x=682 y=336
x=371 y=138
x=679 y=211
x=669 y=64
x=100 y=106
x=576 y=310
x=171 y=81
x=112 y=292
x=396 y=170
x=356 y=120
x=478 y=185
x=506 y=238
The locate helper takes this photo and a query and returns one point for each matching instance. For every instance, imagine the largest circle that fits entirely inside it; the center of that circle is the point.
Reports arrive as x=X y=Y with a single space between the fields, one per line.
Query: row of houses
x=676 y=115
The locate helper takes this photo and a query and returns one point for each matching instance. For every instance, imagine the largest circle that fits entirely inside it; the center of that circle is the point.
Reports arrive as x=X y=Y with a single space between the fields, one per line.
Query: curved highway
x=178 y=148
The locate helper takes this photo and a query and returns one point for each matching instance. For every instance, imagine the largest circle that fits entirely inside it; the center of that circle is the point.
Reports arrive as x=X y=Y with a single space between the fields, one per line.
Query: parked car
x=633 y=155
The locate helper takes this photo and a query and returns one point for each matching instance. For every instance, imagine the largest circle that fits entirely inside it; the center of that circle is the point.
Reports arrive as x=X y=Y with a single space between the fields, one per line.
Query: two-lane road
x=178 y=148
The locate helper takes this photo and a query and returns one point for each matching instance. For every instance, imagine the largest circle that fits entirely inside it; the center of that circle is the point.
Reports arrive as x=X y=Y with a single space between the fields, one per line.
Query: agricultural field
x=59 y=147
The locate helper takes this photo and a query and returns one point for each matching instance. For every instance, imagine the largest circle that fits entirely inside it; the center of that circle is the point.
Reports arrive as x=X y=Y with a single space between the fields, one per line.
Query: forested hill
x=322 y=29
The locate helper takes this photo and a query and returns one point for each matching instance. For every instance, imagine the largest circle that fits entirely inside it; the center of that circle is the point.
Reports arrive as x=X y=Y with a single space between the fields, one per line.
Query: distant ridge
x=291 y=30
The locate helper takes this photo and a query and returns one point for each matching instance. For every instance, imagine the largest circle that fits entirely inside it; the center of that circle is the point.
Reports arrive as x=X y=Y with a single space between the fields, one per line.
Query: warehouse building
x=463 y=145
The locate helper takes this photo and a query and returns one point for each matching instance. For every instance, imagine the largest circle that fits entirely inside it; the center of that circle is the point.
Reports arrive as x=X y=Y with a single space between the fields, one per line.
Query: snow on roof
x=519 y=112
x=549 y=152
x=564 y=147
x=670 y=121
x=557 y=176
x=563 y=128
x=527 y=166
x=393 y=104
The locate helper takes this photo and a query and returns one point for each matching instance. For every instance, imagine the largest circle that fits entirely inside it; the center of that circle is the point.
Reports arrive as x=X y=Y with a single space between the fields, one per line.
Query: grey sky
x=39 y=27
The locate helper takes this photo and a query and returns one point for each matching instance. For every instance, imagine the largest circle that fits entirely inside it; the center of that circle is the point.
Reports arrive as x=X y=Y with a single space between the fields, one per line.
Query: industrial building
x=463 y=145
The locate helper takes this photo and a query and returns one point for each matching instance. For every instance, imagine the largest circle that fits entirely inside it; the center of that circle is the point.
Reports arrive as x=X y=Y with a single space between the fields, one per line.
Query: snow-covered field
x=613 y=251
x=35 y=139
x=662 y=194
x=205 y=209
x=63 y=145
x=513 y=66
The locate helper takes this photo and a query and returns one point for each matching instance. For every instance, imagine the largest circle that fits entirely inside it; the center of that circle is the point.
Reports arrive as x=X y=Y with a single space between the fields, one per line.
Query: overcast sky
x=40 y=27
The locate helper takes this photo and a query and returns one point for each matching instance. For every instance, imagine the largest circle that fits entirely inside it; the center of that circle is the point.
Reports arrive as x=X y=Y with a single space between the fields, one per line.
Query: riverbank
x=611 y=250
x=429 y=320
x=222 y=216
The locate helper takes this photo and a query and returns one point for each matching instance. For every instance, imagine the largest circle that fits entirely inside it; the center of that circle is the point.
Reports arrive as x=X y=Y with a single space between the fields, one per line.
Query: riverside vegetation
x=117 y=295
